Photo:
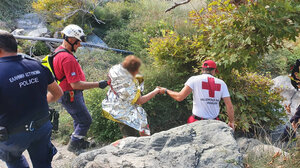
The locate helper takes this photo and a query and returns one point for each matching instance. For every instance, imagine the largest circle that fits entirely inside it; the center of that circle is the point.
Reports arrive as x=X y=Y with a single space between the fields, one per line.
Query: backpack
x=48 y=62
x=295 y=76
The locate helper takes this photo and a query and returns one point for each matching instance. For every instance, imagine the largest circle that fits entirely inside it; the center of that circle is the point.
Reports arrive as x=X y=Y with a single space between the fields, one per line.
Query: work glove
x=103 y=84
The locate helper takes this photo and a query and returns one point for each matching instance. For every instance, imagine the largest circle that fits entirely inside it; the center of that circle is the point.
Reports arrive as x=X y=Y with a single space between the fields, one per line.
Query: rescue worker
x=24 y=116
x=72 y=81
x=207 y=93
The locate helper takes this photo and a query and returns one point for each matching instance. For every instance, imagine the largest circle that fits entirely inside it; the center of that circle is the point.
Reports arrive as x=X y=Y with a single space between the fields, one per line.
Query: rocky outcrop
x=253 y=147
x=288 y=92
x=200 y=144
x=32 y=24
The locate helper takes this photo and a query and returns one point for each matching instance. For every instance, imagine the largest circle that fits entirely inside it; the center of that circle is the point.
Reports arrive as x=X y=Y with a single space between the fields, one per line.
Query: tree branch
x=84 y=11
x=176 y=4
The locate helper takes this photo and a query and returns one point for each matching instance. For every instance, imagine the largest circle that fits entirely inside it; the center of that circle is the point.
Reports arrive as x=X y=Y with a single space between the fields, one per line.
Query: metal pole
x=82 y=44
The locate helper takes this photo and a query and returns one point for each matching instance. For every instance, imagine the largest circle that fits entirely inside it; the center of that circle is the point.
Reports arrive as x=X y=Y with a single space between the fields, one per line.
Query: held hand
x=161 y=90
x=231 y=124
x=157 y=90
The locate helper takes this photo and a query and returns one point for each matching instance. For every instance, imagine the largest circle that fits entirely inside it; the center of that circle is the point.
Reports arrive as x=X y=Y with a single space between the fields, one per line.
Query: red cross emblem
x=211 y=86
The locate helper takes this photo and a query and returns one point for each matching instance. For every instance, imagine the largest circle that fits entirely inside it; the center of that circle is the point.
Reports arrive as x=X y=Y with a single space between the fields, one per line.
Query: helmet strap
x=72 y=45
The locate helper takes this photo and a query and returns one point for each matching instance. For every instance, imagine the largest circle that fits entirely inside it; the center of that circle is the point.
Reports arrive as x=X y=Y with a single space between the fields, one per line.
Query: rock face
x=284 y=82
x=204 y=144
x=256 y=148
x=32 y=24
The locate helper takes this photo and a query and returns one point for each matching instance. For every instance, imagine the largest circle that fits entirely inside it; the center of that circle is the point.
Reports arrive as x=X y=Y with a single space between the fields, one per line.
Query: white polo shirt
x=207 y=93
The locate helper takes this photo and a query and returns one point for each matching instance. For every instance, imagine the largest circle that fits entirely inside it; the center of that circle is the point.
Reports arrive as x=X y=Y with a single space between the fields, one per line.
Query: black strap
x=200 y=118
x=30 y=126
x=50 y=60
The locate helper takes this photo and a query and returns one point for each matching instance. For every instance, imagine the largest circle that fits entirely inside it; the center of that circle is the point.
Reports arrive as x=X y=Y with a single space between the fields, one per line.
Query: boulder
x=40 y=32
x=30 y=21
x=246 y=144
x=32 y=24
x=205 y=144
x=18 y=32
x=262 y=150
x=288 y=92
x=255 y=148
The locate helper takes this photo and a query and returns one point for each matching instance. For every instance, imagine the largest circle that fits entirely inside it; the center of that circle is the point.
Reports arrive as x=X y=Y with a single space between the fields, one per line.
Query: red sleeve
x=72 y=71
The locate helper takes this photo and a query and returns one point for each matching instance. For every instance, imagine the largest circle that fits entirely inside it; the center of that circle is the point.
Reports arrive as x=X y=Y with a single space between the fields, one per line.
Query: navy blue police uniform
x=24 y=116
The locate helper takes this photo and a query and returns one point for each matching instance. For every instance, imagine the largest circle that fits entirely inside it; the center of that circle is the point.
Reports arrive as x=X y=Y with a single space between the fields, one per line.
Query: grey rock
x=253 y=148
x=284 y=82
x=30 y=22
x=200 y=144
x=263 y=150
x=247 y=144
x=18 y=32
x=40 y=32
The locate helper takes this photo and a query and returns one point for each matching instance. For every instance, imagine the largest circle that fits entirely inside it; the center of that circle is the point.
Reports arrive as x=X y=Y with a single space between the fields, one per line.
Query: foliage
x=271 y=160
x=102 y=129
x=176 y=51
x=163 y=112
x=237 y=38
x=65 y=127
x=60 y=13
x=33 y=48
x=279 y=62
x=11 y=9
x=130 y=26
x=256 y=104
x=96 y=63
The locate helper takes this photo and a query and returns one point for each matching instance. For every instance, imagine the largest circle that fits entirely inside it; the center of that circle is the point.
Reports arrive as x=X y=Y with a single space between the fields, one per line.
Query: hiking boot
x=78 y=146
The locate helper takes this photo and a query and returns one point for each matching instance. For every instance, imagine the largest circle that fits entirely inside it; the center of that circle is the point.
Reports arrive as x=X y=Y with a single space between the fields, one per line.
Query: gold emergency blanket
x=119 y=105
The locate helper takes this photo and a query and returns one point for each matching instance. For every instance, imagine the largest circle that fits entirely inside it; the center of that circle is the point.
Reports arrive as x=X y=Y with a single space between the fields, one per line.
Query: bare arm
x=147 y=97
x=54 y=92
x=82 y=85
x=179 y=96
x=230 y=111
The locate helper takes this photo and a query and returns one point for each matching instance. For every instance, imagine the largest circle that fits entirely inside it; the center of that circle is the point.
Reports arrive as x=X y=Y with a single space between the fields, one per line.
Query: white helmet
x=74 y=31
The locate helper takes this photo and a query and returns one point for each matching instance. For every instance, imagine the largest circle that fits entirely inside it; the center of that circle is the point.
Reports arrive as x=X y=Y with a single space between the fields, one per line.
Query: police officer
x=72 y=81
x=24 y=117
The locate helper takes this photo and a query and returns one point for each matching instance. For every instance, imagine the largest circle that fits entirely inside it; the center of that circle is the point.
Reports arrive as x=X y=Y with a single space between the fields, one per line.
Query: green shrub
x=279 y=62
x=164 y=112
x=38 y=48
x=65 y=127
x=102 y=129
x=237 y=38
x=11 y=9
x=255 y=103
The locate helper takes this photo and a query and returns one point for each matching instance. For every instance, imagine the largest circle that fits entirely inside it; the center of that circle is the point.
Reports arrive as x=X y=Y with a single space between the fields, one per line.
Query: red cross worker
x=207 y=92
